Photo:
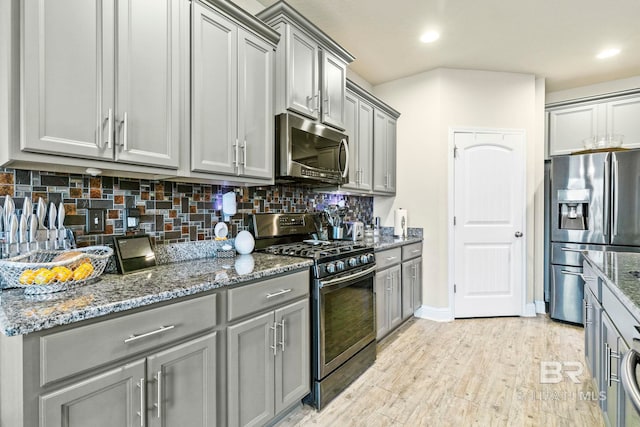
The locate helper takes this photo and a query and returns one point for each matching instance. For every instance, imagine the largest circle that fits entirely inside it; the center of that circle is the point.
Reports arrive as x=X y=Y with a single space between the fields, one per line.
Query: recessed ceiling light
x=429 y=37
x=608 y=53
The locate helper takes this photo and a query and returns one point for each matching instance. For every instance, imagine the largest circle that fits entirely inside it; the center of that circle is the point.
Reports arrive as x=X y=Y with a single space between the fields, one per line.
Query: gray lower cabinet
x=411 y=286
x=113 y=398
x=102 y=80
x=268 y=364
x=388 y=300
x=592 y=327
x=611 y=355
x=176 y=388
x=232 y=97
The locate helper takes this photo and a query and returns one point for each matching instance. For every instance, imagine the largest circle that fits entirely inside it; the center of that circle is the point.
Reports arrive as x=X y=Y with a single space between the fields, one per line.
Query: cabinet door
x=114 y=398
x=68 y=51
x=610 y=363
x=395 y=297
x=149 y=81
x=251 y=347
x=213 y=93
x=182 y=384
x=382 y=288
x=365 y=146
x=292 y=370
x=380 y=176
x=303 y=94
x=334 y=80
x=351 y=129
x=391 y=155
x=408 y=278
x=568 y=127
x=417 y=285
x=255 y=105
x=622 y=119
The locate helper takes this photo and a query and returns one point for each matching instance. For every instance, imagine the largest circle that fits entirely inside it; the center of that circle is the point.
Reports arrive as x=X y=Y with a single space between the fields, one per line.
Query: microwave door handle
x=346 y=162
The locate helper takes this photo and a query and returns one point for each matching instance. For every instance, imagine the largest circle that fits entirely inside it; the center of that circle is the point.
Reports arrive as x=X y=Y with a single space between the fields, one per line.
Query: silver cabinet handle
x=282 y=344
x=280 y=292
x=125 y=132
x=148 y=334
x=391 y=258
x=109 y=130
x=326 y=100
x=244 y=154
x=159 y=394
x=274 y=347
x=572 y=250
x=587 y=307
x=415 y=251
x=236 y=163
x=628 y=377
x=571 y=273
x=610 y=354
x=142 y=396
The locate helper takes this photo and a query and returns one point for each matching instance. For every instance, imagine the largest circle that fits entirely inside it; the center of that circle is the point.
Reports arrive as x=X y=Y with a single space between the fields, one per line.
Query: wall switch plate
x=95 y=220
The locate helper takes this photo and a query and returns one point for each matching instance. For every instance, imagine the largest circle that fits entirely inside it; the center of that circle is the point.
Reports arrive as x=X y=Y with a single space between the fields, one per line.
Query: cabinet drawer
x=411 y=251
x=256 y=297
x=387 y=258
x=620 y=316
x=75 y=350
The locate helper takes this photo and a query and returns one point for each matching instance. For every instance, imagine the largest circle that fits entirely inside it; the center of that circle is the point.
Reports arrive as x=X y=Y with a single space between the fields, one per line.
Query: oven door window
x=348 y=318
x=316 y=152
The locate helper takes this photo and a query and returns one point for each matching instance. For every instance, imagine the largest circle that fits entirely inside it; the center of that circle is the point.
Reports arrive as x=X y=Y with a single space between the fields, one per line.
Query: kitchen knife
x=13 y=235
x=22 y=234
x=9 y=208
x=27 y=208
x=53 y=231
x=41 y=213
x=62 y=232
x=33 y=233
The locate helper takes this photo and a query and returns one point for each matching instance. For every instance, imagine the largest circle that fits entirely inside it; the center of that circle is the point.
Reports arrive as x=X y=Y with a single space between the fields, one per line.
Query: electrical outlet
x=95 y=220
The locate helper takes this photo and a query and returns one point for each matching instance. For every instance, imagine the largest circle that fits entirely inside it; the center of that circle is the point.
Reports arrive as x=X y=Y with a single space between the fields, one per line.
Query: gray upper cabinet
x=570 y=126
x=113 y=398
x=334 y=77
x=102 y=80
x=232 y=93
x=310 y=67
x=359 y=128
x=384 y=153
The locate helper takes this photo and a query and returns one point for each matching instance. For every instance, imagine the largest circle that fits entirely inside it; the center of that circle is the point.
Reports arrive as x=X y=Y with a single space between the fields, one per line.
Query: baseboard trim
x=529 y=310
x=541 y=307
x=437 y=314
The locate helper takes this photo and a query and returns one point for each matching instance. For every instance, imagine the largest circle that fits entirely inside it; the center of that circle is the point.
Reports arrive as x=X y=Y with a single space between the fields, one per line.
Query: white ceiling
x=555 y=39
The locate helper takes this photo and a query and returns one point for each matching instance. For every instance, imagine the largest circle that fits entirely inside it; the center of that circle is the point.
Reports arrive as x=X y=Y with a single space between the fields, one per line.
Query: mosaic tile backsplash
x=170 y=212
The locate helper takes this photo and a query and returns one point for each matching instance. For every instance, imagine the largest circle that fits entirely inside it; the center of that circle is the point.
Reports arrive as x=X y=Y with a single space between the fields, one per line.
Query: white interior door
x=489 y=209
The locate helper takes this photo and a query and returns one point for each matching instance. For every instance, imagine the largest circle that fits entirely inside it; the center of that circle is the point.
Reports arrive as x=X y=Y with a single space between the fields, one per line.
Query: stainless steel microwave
x=310 y=152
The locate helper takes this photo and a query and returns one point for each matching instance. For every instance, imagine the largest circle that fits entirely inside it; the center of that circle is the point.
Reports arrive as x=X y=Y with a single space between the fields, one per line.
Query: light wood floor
x=470 y=372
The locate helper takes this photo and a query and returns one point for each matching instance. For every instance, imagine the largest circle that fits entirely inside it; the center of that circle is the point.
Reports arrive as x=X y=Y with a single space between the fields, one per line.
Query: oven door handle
x=629 y=381
x=334 y=282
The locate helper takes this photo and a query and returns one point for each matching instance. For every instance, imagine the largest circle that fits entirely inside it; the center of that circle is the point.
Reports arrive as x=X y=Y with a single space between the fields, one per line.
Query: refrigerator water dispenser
x=573 y=209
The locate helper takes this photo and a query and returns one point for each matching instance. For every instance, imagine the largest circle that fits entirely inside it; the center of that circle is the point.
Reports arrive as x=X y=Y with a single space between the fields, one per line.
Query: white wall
x=431 y=103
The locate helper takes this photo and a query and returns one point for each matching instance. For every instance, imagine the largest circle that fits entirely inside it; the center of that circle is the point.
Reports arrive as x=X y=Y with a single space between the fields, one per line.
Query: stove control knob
x=331 y=268
x=371 y=257
x=364 y=259
x=352 y=262
x=340 y=265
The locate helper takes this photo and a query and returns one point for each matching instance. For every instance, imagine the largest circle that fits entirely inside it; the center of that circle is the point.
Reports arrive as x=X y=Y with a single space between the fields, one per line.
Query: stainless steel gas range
x=343 y=304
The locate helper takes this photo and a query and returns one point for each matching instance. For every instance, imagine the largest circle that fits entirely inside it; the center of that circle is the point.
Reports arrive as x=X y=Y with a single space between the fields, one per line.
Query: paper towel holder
x=229 y=207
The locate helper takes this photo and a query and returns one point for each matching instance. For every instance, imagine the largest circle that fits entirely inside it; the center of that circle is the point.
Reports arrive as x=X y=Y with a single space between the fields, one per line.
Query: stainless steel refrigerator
x=595 y=204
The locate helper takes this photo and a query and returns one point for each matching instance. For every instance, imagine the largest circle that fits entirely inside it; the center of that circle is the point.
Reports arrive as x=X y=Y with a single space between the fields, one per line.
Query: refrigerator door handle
x=607 y=189
x=614 y=208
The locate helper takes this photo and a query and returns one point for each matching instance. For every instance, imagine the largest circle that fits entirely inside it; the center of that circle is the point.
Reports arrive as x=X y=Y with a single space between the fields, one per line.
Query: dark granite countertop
x=619 y=271
x=388 y=242
x=111 y=293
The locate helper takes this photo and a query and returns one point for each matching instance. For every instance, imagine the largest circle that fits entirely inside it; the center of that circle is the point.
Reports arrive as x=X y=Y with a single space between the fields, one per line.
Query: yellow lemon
x=44 y=276
x=27 y=277
x=62 y=273
x=83 y=271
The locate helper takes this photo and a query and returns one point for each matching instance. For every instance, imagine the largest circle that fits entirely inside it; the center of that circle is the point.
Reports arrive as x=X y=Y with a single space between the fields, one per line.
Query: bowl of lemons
x=42 y=271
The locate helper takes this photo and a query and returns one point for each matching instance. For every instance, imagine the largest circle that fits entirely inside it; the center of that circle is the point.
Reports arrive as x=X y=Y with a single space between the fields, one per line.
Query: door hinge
x=454 y=288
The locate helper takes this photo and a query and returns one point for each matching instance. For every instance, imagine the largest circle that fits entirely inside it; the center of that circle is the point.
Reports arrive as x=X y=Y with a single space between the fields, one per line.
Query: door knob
x=518 y=234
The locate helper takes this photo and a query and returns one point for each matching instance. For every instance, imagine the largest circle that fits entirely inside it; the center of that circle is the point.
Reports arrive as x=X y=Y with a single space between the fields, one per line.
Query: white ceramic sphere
x=244 y=242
